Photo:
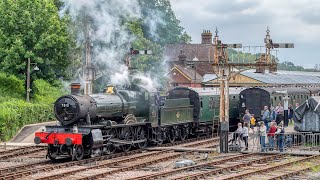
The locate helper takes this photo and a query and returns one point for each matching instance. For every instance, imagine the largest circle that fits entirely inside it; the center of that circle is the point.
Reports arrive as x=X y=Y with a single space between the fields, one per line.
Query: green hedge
x=15 y=112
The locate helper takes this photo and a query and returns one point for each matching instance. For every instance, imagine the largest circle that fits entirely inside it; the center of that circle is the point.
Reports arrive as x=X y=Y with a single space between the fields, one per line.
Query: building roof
x=202 y=52
x=276 y=78
x=190 y=72
x=279 y=78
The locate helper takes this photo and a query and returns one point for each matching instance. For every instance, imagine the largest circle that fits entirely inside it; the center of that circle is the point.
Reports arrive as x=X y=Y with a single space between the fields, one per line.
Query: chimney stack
x=182 y=57
x=75 y=88
x=206 y=37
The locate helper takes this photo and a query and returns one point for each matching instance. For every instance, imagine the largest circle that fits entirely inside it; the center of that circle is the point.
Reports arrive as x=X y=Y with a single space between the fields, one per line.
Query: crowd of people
x=270 y=129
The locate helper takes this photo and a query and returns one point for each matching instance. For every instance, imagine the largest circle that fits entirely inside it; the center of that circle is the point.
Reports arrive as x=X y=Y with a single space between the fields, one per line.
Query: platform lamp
x=35 y=68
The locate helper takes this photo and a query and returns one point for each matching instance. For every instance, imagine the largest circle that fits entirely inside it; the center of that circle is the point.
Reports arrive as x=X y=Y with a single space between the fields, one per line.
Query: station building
x=184 y=71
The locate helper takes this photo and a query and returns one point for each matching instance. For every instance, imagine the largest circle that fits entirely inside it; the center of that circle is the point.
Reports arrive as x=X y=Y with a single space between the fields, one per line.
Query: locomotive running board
x=117 y=141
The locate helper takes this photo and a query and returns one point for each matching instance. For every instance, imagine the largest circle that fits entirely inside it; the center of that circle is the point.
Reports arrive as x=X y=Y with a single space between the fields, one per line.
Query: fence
x=292 y=142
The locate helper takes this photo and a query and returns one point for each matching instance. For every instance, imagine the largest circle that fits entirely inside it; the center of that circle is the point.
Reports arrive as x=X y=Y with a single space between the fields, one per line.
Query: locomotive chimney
x=75 y=88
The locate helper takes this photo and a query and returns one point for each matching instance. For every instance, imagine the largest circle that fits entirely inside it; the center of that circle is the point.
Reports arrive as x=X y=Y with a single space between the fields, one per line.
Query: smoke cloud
x=103 y=22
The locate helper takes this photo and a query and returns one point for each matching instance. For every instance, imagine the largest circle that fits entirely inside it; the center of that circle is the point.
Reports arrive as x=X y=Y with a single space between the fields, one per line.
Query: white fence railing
x=284 y=142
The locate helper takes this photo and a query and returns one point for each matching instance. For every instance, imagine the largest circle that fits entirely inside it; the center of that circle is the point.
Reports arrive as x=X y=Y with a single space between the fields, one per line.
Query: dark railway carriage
x=255 y=99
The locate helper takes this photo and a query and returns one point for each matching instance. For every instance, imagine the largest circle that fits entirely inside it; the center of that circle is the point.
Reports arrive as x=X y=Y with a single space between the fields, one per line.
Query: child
x=252 y=122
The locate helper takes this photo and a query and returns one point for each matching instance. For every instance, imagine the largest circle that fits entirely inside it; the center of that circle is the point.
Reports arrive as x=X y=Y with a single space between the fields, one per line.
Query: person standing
x=279 y=110
x=290 y=116
x=266 y=116
x=280 y=137
x=237 y=134
x=263 y=134
x=246 y=118
x=271 y=133
x=273 y=114
x=252 y=122
x=245 y=134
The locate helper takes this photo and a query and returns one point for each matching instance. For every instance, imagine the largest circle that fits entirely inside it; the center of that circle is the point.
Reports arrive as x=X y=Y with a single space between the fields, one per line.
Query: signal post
x=225 y=69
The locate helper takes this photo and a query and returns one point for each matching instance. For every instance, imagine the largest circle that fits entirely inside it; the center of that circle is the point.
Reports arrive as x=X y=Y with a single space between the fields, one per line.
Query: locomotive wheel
x=141 y=135
x=172 y=135
x=110 y=148
x=52 y=152
x=128 y=136
x=184 y=133
x=78 y=152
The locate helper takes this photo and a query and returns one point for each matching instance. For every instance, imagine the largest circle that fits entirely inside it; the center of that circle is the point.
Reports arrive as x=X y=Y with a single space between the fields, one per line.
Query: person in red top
x=272 y=130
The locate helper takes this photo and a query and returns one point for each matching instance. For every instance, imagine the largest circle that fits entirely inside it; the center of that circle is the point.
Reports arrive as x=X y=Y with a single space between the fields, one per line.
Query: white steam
x=102 y=21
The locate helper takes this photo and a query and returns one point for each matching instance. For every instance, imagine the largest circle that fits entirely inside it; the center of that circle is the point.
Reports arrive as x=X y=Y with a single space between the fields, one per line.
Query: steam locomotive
x=133 y=117
x=123 y=118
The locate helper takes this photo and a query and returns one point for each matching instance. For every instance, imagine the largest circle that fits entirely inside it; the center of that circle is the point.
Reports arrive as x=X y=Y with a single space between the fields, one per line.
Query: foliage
x=290 y=66
x=15 y=112
x=33 y=29
x=10 y=86
x=168 y=30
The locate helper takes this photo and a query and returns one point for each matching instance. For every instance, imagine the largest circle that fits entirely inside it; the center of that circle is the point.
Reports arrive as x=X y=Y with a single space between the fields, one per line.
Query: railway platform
x=25 y=135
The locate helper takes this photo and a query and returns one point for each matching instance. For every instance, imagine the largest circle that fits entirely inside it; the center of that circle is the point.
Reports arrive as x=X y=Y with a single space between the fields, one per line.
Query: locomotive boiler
x=118 y=107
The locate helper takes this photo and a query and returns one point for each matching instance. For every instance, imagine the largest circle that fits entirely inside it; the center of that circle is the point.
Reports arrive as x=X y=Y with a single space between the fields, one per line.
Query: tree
x=160 y=23
x=33 y=29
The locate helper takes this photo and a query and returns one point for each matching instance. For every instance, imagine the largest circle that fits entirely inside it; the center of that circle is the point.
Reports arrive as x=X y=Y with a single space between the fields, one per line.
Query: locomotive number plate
x=65 y=105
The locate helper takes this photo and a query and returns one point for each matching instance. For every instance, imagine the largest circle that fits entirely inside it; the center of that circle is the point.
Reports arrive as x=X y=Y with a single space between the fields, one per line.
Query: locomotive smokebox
x=75 y=88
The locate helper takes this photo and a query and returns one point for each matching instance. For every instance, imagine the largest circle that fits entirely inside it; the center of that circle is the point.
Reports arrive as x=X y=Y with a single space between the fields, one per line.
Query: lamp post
x=28 y=78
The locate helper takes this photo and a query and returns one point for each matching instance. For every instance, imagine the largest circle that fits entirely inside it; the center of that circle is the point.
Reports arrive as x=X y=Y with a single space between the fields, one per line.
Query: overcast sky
x=245 y=21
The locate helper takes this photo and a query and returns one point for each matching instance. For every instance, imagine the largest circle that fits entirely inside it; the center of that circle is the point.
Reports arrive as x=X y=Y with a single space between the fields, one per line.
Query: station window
x=280 y=98
x=294 y=97
x=275 y=98
x=301 y=96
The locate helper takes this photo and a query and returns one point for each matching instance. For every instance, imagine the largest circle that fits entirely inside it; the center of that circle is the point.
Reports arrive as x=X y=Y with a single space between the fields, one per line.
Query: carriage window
x=280 y=98
x=301 y=96
x=233 y=97
x=275 y=98
x=294 y=97
x=201 y=103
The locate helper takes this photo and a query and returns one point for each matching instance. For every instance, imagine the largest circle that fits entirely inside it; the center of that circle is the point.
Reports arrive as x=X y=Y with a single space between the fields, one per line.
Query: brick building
x=180 y=57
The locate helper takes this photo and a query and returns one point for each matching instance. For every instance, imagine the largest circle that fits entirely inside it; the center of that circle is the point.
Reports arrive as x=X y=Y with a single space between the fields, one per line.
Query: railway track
x=24 y=170
x=21 y=151
x=280 y=170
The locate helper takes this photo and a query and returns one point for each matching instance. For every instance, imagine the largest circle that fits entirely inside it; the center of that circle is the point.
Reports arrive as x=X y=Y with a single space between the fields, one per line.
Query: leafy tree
x=167 y=30
x=33 y=29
